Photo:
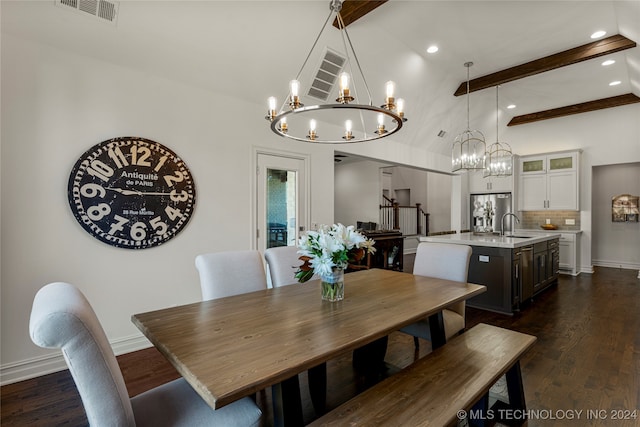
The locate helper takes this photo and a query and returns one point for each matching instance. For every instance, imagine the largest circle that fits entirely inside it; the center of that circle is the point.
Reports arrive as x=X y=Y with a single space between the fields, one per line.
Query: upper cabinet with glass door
x=550 y=181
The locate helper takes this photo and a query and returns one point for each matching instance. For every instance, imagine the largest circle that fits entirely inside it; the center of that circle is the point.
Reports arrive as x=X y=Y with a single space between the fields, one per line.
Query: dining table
x=233 y=347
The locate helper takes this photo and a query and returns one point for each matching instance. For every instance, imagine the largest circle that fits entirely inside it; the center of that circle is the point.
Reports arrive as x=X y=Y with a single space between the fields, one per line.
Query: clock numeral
x=96 y=213
x=173 y=213
x=118 y=226
x=160 y=163
x=100 y=170
x=117 y=156
x=142 y=161
x=92 y=190
x=182 y=197
x=157 y=224
x=138 y=231
x=177 y=177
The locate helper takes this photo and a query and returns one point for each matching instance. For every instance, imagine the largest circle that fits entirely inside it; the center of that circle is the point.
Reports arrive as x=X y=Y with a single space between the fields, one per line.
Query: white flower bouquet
x=330 y=248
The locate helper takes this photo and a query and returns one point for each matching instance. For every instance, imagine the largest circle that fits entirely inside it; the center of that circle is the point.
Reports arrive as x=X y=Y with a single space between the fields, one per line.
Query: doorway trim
x=255 y=152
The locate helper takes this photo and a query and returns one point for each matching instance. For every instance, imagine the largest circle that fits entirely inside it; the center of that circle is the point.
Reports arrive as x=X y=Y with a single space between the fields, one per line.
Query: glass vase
x=333 y=285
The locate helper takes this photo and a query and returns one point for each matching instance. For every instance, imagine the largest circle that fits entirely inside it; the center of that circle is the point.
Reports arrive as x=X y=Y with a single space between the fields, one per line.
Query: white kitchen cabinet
x=478 y=184
x=549 y=182
x=569 y=247
x=493 y=184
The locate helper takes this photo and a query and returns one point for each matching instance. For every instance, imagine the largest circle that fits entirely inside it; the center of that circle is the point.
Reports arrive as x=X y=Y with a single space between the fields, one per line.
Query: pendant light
x=500 y=156
x=469 y=149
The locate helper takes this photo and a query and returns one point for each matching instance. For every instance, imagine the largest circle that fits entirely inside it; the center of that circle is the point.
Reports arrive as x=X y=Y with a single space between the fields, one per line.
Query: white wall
x=615 y=240
x=56 y=105
x=439 y=194
x=358 y=192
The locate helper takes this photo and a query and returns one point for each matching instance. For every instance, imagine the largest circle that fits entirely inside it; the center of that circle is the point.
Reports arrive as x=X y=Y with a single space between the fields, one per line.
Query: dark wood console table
x=388 y=243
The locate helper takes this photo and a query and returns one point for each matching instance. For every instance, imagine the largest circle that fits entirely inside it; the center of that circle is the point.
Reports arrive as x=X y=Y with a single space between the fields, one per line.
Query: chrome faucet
x=502 y=221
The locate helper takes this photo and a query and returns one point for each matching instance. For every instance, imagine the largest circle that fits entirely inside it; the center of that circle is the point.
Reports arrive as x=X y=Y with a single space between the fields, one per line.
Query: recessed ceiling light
x=608 y=62
x=615 y=83
x=511 y=106
x=432 y=49
x=598 y=34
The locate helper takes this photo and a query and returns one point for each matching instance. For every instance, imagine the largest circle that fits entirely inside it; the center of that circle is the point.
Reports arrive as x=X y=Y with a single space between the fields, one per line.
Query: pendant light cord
x=497 y=86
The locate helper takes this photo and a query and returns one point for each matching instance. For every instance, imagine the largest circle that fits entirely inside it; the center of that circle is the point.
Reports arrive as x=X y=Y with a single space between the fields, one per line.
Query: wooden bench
x=432 y=391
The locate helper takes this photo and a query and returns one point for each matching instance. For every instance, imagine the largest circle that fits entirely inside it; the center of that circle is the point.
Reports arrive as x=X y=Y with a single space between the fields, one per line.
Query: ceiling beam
x=585 y=52
x=356 y=9
x=599 y=104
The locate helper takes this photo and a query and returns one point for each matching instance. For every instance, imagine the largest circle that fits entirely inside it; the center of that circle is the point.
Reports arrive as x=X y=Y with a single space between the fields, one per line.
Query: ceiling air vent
x=103 y=9
x=327 y=75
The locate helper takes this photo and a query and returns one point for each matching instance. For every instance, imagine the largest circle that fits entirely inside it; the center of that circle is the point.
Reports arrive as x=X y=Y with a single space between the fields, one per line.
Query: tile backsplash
x=534 y=219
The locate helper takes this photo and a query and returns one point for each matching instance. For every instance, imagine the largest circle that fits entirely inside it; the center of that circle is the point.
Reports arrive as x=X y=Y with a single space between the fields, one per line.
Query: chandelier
x=469 y=149
x=500 y=157
x=343 y=121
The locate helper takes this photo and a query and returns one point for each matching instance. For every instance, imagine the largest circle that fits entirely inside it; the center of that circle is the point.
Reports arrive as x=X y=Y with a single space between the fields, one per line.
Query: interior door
x=281 y=200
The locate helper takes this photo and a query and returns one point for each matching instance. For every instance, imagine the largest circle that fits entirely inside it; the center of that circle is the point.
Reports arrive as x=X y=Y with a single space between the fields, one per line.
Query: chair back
x=283 y=262
x=61 y=317
x=224 y=274
x=444 y=261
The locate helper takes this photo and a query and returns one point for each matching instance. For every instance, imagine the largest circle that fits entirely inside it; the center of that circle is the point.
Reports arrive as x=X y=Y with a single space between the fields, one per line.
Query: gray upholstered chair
x=224 y=274
x=283 y=262
x=443 y=261
x=62 y=317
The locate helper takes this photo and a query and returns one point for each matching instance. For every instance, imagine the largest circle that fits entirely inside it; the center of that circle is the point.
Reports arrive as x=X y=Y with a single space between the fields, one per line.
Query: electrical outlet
x=547 y=221
x=570 y=221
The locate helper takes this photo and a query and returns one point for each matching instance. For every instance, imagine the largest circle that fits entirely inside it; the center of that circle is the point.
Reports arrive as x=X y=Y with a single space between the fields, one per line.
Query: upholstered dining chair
x=61 y=317
x=443 y=261
x=224 y=274
x=283 y=262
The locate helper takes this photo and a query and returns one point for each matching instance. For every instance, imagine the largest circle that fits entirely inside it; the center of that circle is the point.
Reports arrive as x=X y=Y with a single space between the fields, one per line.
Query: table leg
x=370 y=357
x=287 y=404
x=318 y=387
x=436 y=327
x=515 y=389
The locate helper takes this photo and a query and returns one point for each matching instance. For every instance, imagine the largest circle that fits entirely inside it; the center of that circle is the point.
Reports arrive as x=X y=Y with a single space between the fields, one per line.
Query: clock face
x=131 y=192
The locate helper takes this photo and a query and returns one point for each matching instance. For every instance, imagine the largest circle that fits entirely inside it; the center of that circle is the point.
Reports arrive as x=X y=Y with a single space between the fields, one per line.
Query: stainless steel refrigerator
x=487 y=211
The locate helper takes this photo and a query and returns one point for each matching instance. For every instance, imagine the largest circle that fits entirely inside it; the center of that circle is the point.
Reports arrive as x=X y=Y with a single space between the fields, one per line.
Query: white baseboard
x=30 y=368
x=588 y=269
x=616 y=264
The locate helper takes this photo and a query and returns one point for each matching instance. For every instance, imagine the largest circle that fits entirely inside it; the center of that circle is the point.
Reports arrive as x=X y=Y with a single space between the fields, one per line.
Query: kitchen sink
x=517 y=237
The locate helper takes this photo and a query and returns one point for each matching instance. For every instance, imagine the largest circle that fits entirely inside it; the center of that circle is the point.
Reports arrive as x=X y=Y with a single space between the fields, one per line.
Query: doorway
x=281 y=208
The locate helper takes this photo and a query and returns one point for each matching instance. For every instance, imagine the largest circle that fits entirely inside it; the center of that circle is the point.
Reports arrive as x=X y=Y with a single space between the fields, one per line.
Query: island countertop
x=509 y=240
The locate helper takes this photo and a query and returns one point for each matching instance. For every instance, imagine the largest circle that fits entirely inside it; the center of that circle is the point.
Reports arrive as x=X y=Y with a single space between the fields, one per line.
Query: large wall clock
x=131 y=192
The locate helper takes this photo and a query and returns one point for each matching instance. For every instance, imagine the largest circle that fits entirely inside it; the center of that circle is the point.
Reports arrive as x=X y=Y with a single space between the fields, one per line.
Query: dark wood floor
x=587 y=358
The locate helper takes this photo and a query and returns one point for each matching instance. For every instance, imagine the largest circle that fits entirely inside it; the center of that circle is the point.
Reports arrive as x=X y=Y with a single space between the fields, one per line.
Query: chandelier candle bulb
x=312 y=130
x=390 y=100
x=272 y=108
x=283 y=125
x=400 y=108
x=294 y=87
x=348 y=126
x=381 y=129
x=344 y=96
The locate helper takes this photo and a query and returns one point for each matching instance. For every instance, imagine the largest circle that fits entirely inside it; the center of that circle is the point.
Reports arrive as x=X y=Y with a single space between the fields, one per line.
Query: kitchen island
x=515 y=267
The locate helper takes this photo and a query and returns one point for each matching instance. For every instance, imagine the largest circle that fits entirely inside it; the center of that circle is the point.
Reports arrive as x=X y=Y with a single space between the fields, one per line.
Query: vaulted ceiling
x=251 y=49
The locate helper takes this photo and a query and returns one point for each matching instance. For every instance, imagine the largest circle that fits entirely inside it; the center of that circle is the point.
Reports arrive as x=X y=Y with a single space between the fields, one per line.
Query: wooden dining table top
x=232 y=347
